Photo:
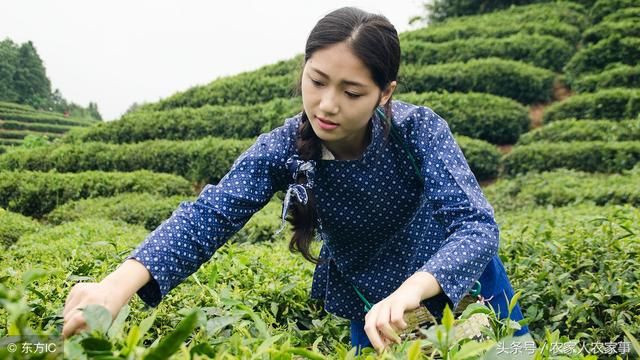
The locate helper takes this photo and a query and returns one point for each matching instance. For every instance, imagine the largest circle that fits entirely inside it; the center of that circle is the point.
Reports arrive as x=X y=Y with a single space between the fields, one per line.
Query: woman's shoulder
x=416 y=120
x=280 y=140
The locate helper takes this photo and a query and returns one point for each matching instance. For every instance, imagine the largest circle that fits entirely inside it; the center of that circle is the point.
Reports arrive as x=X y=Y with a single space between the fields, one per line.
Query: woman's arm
x=181 y=244
x=113 y=292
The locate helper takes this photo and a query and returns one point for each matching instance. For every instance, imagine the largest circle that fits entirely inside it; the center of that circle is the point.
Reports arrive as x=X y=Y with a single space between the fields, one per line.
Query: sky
x=119 y=52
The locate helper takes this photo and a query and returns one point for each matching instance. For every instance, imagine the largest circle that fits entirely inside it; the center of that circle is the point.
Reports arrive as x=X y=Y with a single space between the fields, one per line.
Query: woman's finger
x=384 y=326
x=76 y=323
x=397 y=317
x=71 y=301
x=371 y=330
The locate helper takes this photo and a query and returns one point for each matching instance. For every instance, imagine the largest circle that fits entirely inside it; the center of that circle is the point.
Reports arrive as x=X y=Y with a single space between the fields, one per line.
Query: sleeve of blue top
x=457 y=202
x=195 y=230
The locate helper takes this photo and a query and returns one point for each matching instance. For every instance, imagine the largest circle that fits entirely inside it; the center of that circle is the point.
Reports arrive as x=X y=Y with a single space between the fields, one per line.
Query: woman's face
x=339 y=97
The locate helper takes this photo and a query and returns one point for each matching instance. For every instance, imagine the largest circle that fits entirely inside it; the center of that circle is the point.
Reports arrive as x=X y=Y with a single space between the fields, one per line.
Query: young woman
x=382 y=183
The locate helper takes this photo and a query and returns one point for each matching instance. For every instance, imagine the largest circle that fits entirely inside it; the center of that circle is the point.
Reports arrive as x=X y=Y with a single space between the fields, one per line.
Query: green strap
x=394 y=134
x=367 y=304
x=475 y=291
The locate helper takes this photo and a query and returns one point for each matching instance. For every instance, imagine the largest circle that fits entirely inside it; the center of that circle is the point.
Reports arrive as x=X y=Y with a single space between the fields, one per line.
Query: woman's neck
x=352 y=148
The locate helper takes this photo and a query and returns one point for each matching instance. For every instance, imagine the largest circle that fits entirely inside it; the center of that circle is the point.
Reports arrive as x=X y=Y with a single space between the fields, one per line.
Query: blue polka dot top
x=380 y=223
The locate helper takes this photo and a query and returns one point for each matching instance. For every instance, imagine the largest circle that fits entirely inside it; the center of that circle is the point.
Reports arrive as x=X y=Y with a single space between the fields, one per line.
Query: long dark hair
x=374 y=40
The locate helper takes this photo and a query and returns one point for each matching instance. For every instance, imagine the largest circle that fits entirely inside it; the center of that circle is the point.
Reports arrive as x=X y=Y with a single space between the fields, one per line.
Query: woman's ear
x=386 y=94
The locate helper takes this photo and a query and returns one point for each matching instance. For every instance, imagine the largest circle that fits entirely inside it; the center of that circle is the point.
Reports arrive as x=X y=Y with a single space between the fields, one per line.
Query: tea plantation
x=544 y=101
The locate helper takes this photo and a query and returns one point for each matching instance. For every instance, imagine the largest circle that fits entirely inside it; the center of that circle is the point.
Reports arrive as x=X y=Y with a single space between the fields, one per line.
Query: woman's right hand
x=83 y=294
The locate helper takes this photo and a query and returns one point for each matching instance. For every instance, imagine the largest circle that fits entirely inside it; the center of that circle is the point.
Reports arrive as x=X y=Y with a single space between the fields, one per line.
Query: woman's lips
x=326 y=124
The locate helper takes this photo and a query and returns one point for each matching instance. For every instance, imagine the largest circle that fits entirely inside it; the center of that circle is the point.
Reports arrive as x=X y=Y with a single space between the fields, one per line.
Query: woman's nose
x=328 y=102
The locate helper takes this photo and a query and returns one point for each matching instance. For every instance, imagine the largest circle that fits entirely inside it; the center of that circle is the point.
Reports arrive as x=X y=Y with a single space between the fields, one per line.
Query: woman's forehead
x=339 y=63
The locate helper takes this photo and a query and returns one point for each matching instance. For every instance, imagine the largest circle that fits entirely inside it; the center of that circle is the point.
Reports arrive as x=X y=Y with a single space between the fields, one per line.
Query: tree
x=30 y=78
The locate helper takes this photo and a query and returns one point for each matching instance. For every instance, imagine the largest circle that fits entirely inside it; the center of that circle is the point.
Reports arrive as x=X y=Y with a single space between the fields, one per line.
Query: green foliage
x=584 y=130
x=42 y=117
x=606 y=29
x=150 y=210
x=206 y=160
x=440 y=10
x=589 y=156
x=495 y=119
x=33 y=141
x=22 y=134
x=603 y=8
x=243 y=89
x=599 y=56
x=564 y=188
x=561 y=19
x=623 y=14
x=577 y=268
x=13 y=226
x=18 y=125
x=227 y=121
x=540 y=50
x=35 y=194
x=618 y=76
x=613 y=104
x=22 y=75
x=525 y=83
x=143 y=209
x=483 y=158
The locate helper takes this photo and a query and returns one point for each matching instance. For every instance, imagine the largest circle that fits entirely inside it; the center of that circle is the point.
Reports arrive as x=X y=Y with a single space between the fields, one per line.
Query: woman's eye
x=352 y=95
x=316 y=82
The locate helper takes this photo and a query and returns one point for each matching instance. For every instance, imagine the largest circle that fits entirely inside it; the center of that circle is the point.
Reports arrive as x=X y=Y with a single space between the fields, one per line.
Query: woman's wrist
x=127 y=279
x=425 y=283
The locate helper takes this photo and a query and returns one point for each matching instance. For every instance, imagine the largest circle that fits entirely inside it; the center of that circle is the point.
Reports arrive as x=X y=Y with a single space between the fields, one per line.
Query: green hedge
x=541 y=50
x=13 y=226
x=206 y=160
x=13 y=106
x=563 y=20
x=17 y=125
x=37 y=193
x=44 y=118
x=495 y=119
x=564 y=188
x=144 y=209
x=606 y=29
x=10 y=142
x=243 y=89
x=623 y=14
x=589 y=156
x=233 y=121
x=577 y=268
x=612 y=104
x=584 y=130
x=483 y=158
x=21 y=134
x=596 y=57
x=618 y=76
x=603 y=8
x=523 y=82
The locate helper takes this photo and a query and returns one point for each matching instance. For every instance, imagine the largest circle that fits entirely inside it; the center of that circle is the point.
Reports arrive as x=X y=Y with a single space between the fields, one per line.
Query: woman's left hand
x=386 y=317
